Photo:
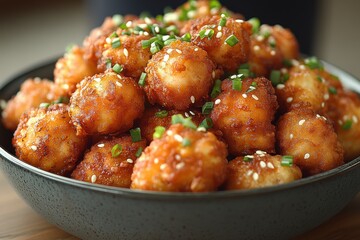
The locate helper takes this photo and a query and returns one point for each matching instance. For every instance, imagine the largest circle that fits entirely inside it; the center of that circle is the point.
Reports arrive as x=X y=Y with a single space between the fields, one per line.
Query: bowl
x=91 y=211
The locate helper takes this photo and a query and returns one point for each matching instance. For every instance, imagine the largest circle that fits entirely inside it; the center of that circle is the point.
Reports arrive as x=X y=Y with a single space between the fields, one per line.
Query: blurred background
x=32 y=32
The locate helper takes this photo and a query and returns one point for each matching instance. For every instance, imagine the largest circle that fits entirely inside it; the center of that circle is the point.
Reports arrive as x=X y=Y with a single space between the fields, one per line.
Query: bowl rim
x=132 y=193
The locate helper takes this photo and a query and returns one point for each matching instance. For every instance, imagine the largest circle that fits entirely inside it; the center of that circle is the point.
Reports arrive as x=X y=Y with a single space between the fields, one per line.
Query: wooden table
x=18 y=221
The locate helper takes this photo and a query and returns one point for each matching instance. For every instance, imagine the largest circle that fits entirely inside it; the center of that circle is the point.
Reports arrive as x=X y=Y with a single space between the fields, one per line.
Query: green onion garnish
x=222 y=22
x=275 y=77
x=207 y=123
x=161 y=114
x=178 y=118
x=159 y=131
x=117 y=19
x=206 y=33
x=245 y=72
x=216 y=89
x=186 y=37
x=116 y=150
x=186 y=142
x=113 y=35
x=61 y=99
x=142 y=79
x=313 y=63
x=123 y=26
x=135 y=134
x=146 y=43
x=215 y=4
x=332 y=90
x=232 y=40
x=237 y=84
x=170 y=40
x=255 y=22
x=155 y=47
x=287 y=63
x=207 y=108
x=115 y=43
x=118 y=68
x=138 y=152
x=347 y=124
x=287 y=161
x=44 y=105
x=108 y=63
x=247 y=158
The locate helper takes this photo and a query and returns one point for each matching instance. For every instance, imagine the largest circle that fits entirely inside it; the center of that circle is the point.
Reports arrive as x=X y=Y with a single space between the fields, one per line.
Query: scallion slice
x=161 y=114
x=216 y=89
x=138 y=152
x=159 y=131
x=187 y=122
x=287 y=161
x=207 y=123
x=332 y=90
x=275 y=77
x=255 y=23
x=248 y=158
x=207 y=108
x=186 y=37
x=135 y=134
x=116 y=150
x=232 y=40
x=313 y=63
x=118 y=68
x=186 y=142
x=237 y=84
x=142 y=79
x=347 y=124
x=206 y=33
x=115 y=43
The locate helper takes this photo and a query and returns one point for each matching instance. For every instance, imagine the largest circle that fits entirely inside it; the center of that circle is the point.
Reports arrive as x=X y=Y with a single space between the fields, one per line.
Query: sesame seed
x=262 y=164
x=143 y=25
x=169 y=50
x=322 y=104
x=260 y=152
x=239 y=21
x=129 y=160
x=256 y=48
x=157 y=29
x=289 y=99
x=222 y=15
x=33 y=147
x=163 y=166
x=326 y=96
x=118 y=84
x=295 y=62
x=192 y=99
x=196 y=49
x=280 y=86
x=324 y=118
x=201 y=129
x=249 y=172
x=178 y=138
x=217 y=101
x=302 y=67
x=97 y=79
x=180 y=165
x=291 y=136
x=128 y=24
x=213 y=74
x=126 y=52
x=340 y=122
x=307 y=155
x=318 y=116
x=244 y=95
x=108 y=40
x=260 y=38
x=146 y=33
x=255 y=176
x=355 y=119
x=177 y=157
x=93 y=178
x=219 y=28
x=65 y=86
x=156 y=160
x=178 y=51
x=301 y=122
x=219 y=35
x=169 y=132
x=207 y=32
x=272 y=53
x=186 y=114
x=147 y=20
x=270 y=165
x=255 y=97
x=192 y=113
x=283 y=70
x=166 y=57
x=101 y=145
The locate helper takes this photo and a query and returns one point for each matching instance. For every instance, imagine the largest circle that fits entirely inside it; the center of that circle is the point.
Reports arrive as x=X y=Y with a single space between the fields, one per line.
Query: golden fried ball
x=109 y=162
x=310 y=139
x=302 y=88
x=245 y=117
x=179 y=76
x=286 y=42
x=259 y=170
x=32 y=93
x=344 y=111
x=224 y=55
x=72 y=68
x=46 y=139
x=106 y=103
x=183 y=160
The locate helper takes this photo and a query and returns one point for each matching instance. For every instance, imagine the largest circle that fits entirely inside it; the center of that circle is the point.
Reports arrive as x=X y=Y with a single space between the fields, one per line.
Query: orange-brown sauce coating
x=168 y=165
x=245 y=118
x=102 y=167
x=262 y=170
x=106 y=103
x=45 y=138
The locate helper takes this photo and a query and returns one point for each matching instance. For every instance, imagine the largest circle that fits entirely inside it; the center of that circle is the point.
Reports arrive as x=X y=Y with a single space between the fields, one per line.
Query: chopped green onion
x=128 y=33
x=186 y=37
x=170 y=40
x=244 y=66
x=186 y=142
x=275 y=77
x=145 y=14
x=245 y=72
x=155 y=47
x=222 y=22
x=135 y=134
x=255 y=22
x=272 y=42
x=207 y=108
x=117 y=19
x=114 y=34
x=142 y=79
x=116 y=150
x=108 y=63
x=61 y=99
x=138 y=152
x=161 y=114
x=248 y=158
x=207 y=123
x=118 y=68
x=319 y=78
x=178 y=118
x=159 y=131
x=287 y=63
x=172 y=29
x=232 y=40
x=237 y=84
x=313 y=63
x=123 y=26
x=332 y=90
x=347 y=124
x=206 y=33
x=215 y=4
x=216 y=89
x=252 y=87
x=287 y=161
x=285 y=77
x=44 y=105
x=115 y=43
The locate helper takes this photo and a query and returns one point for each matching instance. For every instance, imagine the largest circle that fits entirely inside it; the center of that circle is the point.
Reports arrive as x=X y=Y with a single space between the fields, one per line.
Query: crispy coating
x=130 y=54
x=179 y=76
x=286 y=42
x=46 y=139
x=227 y=57
x=261 y=170
x=72 y=68
x=245 y=118
x=102 y=167
x=168 y=165
x=310 y=139
x=303 y=88
x=32 y=93
x=106 y=103
x=344 y=111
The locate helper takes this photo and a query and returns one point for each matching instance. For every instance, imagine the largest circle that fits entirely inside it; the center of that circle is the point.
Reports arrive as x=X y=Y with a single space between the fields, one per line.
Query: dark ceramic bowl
x=92 y=211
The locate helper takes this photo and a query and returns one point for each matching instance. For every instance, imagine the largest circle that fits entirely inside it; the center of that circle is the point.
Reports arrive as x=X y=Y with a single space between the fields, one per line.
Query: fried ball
x=286 y=42
x=106 y=103
x=109 y=162
x=130 y=54
x=32 y=93
x=179 y=76
x=310 y=139
x=183 y=160
x=213 y=39
x=302 y=88
x=244 y=117
x=46 y=139
x=71 y=69
x=344 y=112
x=259 y=170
